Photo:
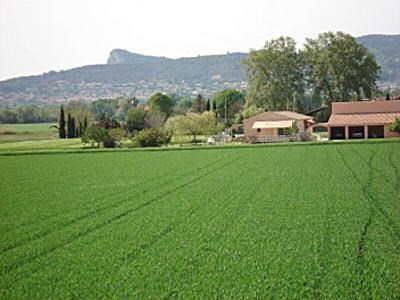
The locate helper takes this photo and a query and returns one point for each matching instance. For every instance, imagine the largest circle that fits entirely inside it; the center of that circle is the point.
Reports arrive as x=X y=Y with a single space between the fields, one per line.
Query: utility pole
x=225 y=130
x=225 y=112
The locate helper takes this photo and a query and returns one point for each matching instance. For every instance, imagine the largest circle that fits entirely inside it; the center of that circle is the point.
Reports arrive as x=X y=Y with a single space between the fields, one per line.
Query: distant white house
x=270 y=126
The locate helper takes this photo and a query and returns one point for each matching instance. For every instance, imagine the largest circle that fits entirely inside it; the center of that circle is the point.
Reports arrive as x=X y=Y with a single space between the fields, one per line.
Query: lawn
x=308 y=221
x=38 y=145
x=23 y=132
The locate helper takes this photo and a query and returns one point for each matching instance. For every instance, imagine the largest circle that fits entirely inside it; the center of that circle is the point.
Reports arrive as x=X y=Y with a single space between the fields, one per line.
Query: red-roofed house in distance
x=270 y=126
x=363 y=119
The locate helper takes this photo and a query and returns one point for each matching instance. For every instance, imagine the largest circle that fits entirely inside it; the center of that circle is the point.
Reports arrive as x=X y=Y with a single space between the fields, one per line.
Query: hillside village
x=129 y=74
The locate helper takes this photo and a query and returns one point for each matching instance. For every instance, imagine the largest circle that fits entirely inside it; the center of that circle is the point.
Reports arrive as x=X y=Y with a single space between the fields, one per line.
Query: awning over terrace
x=273 y=124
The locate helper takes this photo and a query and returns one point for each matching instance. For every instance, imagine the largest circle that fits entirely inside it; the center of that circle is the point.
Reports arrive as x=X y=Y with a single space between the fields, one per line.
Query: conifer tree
x=85 y=124
x=70 y=133
x=73 y=129
x=80 y=129
x=208 y=105
x=61 y=124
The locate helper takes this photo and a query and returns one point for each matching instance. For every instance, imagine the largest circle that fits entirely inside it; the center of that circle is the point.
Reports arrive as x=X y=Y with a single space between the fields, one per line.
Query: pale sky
x=37 y=36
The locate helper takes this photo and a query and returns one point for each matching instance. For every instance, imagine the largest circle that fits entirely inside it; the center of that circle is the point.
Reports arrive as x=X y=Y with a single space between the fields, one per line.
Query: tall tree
x=208 y=106
x=228 y=103
x=193 y=124
x=214 y=106
x=124 y=105
x=275 y=74
x=73 y=127
x=135 y=120
x=160 y=103
x=61 y=124
x=80 y=129
x=199 y=104
x=338 y=68
x=85 y=124
x=95 y=134
x=70 y=132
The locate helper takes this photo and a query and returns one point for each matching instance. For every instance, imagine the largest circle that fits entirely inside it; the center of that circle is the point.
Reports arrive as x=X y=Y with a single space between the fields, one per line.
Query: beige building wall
x=388 y=133
x=301 y=126
x=250 y=132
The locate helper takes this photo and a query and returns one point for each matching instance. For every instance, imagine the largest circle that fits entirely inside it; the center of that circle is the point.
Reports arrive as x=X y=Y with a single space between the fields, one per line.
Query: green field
x=292 y=221
x=25 y=132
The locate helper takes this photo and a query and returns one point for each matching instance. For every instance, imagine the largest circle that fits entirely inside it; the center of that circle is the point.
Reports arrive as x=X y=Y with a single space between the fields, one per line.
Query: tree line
x=151 y=123
x=28 y=114
x=331 y=67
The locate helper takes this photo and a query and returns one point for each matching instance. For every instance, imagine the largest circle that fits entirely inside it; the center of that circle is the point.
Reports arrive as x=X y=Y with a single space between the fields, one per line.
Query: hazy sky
x=41 y=35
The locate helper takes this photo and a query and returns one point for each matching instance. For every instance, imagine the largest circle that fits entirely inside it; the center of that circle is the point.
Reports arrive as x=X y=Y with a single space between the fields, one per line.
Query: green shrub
x=109 y=142
x=151 y=138
x=395 y=126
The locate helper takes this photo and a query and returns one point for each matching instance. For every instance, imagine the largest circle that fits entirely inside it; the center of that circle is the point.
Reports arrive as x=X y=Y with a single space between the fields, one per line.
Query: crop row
x=291 y=222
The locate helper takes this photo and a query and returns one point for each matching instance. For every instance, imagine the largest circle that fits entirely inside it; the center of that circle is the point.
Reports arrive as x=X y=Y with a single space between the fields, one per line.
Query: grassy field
x=310 y=221
x=25 y=132
x=37 y=145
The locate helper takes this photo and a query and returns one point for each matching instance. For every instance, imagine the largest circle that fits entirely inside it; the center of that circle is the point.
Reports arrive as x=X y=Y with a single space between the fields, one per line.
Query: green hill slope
x=133 y=74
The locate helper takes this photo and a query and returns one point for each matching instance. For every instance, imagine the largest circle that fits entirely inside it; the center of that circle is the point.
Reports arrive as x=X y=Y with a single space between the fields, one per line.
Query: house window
x=258 y=129
x=281 y=131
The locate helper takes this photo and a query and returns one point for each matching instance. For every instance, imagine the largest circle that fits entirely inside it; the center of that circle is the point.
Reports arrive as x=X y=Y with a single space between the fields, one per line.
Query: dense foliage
x=228 y=103
x=395 y=126
x=194 y=124
x=306 y=222
x=275 y=75
x=160 y=103
x=338 y=68
x=28 y=114
x=334 y=67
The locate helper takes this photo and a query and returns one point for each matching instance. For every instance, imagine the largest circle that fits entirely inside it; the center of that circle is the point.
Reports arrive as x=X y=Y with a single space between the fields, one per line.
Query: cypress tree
x=85 y=124
x=73 y=129
x=80 y=129
x=198 y=104
x=214 y=108
x=69 y=126
x=61 y=124
x=208 y=105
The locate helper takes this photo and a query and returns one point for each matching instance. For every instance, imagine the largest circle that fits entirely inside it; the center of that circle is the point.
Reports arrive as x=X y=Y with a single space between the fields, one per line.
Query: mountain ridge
x=134 y=74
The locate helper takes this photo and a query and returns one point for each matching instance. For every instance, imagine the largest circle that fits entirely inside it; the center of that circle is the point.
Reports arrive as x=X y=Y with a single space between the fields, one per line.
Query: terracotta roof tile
x=389 y=106
x=279 y=116
x=362 y=119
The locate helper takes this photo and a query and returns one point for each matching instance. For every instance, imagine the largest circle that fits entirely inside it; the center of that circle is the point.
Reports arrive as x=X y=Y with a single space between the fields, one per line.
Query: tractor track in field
x=391 y=163
x=100 y=209
x=170 y=228
x=367 y=224
x=366 y=161
x=395 y=168
x=163 y=233
x=103 y=224
x=88 y=214
x=326 y=248
x=104 y=196
x=204 y=247
x=372 y=200
x=159 y=236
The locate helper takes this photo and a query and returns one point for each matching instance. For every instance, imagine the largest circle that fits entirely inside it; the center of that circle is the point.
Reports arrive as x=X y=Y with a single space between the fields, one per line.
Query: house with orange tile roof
x=270 y=126
x=363 y=119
